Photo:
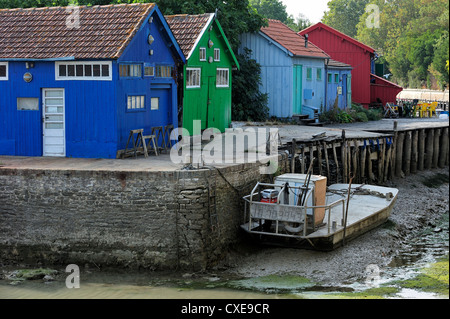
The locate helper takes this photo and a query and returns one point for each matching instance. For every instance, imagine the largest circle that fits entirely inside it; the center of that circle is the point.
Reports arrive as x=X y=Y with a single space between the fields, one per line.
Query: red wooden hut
x=367 y=88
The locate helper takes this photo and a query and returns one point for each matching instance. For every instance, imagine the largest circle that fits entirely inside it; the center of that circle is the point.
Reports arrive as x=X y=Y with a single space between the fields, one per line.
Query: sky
x=311 y=9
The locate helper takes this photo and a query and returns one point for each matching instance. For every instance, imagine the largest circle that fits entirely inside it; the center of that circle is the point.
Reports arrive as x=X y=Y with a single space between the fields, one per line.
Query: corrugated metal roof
x=292 y=41
x=188 y=29
x=48 y=33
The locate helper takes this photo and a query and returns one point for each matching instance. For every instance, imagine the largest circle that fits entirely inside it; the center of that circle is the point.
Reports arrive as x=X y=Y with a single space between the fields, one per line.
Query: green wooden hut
x=206 y=81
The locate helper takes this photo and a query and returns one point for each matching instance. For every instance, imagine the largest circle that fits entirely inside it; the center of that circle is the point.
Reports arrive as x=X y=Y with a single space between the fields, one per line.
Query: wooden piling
x=344 y=158
x=355 y=160
x=394 y=150
x=363 y=164
x=325 y=150
x=335 y=161
x=421 y=150
x=437 y=137
x=444 y=148
x=399 y=154
x=407 y=153
x=388 y=161
x=311 y=156
x=294 y=153
x=303 y=160
x=381 y=163
x=370 y=175
x=429 y=146
x=414 y=147
x=319 y=158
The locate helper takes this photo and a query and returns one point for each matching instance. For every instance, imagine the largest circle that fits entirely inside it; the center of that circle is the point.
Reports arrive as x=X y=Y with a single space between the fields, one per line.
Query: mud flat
x=422 y=205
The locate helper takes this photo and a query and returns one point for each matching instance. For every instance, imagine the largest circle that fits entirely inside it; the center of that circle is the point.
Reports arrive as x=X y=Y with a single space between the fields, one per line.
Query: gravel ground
x=417 y=206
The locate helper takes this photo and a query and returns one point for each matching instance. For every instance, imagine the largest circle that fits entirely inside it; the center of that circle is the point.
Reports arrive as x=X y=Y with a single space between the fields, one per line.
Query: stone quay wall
x=142 y=220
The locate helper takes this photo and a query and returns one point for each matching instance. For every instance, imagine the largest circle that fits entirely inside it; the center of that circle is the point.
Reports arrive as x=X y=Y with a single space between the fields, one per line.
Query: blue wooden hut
x=338 y=85
x=75 y=81
x=292 y=70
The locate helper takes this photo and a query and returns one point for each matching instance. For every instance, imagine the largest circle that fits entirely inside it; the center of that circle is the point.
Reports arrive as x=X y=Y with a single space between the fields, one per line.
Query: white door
x=54 y=139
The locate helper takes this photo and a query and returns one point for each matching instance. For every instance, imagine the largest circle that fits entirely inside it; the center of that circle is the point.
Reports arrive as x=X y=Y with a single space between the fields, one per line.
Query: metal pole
x=346 y=210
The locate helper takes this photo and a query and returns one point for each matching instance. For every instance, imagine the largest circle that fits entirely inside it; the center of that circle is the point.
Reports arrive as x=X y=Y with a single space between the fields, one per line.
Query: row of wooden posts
x=373 y=160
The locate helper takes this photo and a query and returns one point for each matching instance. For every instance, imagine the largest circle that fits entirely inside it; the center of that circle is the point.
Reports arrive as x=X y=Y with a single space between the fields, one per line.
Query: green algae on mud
x=431 y=279
x=273 y=283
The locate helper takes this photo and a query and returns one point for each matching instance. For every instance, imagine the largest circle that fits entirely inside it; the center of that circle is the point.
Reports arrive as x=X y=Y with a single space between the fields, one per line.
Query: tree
x=344 y=15
x=249 y=104
x=271 y=9
x=413 y=39
x=300 y=23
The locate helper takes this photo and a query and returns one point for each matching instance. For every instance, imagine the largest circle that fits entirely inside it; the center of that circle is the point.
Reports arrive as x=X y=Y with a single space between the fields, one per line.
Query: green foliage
x=344 y=15
x=357 y=113
x=413 y=38
x=271 y=9
x=275 y=9
x=249 y=104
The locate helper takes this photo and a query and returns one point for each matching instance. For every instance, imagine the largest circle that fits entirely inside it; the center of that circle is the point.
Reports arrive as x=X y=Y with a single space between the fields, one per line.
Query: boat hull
x=365 y=212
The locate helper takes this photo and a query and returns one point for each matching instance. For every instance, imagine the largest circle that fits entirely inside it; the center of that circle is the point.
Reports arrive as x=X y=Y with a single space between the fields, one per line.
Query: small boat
x=299 y=210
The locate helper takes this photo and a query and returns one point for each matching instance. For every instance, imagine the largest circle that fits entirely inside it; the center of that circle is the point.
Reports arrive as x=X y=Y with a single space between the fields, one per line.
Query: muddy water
x=110 y=284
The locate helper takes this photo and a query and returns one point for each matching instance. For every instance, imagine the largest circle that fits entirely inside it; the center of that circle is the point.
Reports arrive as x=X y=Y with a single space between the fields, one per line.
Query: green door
x=210 y=110
x=298 y=76
x=349 y=91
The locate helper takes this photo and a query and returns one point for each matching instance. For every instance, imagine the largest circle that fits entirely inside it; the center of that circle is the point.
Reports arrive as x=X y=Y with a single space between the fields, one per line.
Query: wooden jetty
x=372 y=153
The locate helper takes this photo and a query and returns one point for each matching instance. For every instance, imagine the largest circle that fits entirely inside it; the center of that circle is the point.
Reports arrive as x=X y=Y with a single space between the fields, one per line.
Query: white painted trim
x=7 y=71
x=212 y=15
x=83 y=78
x=228 y=79
x=199 y=75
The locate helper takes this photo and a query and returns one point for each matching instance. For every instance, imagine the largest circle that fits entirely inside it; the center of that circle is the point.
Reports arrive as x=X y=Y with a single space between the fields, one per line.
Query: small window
x=336 y=78
x=27 y=104
x=223 y=78
x=163 y=71
x=129 y=70
x=202 y=54
x=83 y=71
x=136 y=102
x=319 y=75
x=149 y=71
x=3 y=71
x=216 y=55
x=330 y=77
x=155 y=104
x=309 y=74
x=193 y=77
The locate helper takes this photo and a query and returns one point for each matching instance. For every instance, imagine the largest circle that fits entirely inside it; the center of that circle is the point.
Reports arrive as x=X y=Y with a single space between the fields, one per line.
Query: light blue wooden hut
x=338 y=85
x=292 y=70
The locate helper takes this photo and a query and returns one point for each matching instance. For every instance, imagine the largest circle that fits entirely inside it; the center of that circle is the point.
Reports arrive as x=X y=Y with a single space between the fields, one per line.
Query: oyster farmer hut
x=75 y=81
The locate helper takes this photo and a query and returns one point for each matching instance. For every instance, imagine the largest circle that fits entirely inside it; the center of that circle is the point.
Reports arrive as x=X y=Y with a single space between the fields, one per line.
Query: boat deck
x=361 y=207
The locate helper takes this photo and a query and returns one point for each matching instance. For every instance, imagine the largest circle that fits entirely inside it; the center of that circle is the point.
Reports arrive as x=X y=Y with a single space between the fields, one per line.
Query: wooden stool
x=151 y=140
x=167 y=132
x=137 y=143
x=158 y=132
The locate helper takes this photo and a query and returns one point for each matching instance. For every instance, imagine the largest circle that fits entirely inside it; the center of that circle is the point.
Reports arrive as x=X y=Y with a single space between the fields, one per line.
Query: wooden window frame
x=220 y=85
x=195 y=86
x=200 y=54
x=83 y=66
x=6 y=77
x=217 y=55
x=142 y=102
